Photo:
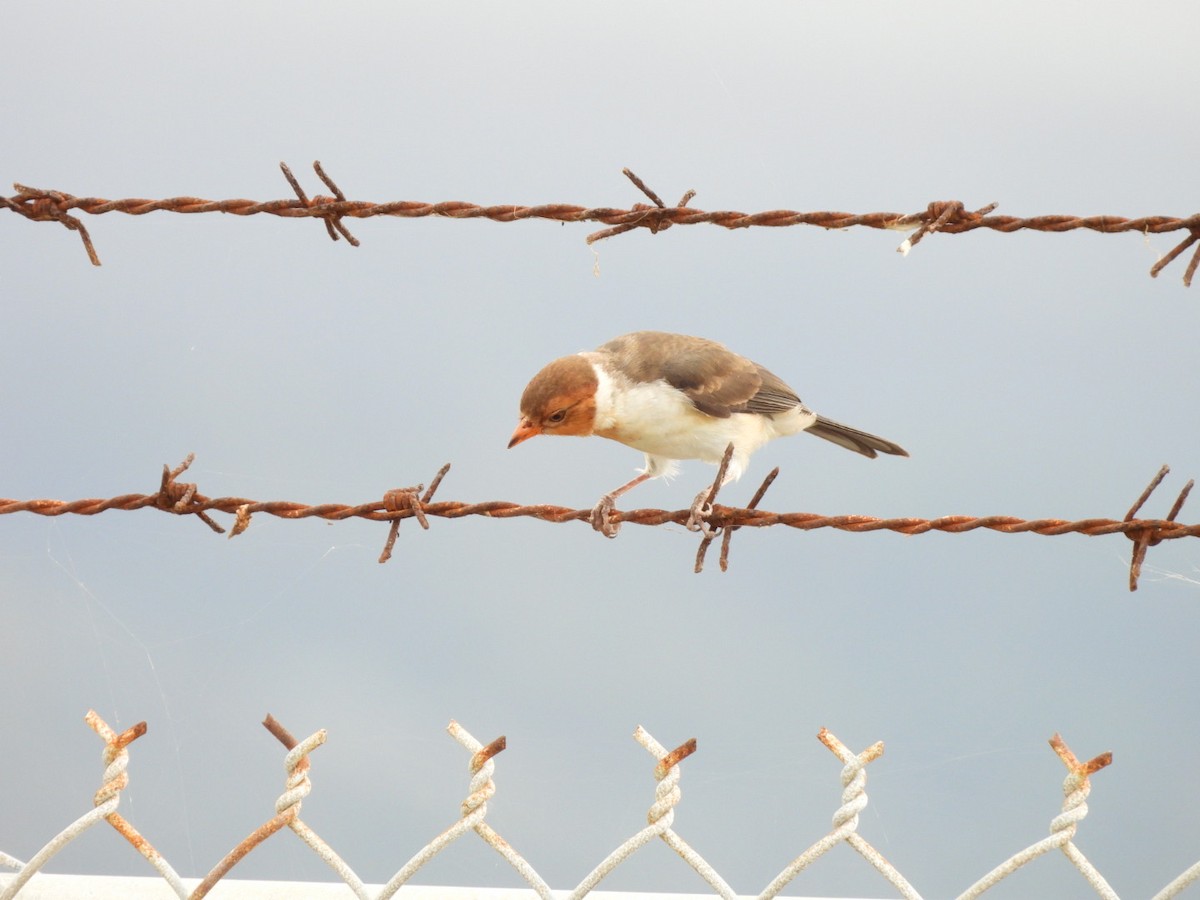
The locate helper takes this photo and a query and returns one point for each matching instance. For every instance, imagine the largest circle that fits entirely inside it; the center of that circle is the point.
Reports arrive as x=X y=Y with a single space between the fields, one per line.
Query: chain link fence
x=473 y=813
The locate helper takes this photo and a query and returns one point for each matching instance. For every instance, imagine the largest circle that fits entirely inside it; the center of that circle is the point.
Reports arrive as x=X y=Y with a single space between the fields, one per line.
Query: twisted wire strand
x=184 y=499
x=1076 y=787
x=659 y=818
x=32 y=199
x=845 y=822
x=473 y=810
x=723 y=516
x=104 y=808
x=946 y=216
x=287 y=806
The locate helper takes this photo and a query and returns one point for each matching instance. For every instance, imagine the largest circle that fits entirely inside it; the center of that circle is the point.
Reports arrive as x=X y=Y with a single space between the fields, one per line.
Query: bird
x=673 y=397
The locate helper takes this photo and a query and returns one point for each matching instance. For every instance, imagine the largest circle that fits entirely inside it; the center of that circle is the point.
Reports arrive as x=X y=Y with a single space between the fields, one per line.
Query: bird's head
x=561 y=399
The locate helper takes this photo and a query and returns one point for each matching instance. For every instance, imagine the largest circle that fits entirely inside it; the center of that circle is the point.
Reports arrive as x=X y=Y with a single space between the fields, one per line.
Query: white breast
x=662 y=422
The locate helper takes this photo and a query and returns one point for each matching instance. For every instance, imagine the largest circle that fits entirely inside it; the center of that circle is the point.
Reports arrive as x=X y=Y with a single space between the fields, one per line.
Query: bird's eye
x=557 y=417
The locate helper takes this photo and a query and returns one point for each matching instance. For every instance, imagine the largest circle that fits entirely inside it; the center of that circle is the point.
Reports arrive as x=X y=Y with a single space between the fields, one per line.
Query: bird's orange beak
x=524 y=432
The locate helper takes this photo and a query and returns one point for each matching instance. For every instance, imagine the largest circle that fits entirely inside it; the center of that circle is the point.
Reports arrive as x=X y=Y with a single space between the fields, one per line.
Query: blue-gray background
x=1028 y=374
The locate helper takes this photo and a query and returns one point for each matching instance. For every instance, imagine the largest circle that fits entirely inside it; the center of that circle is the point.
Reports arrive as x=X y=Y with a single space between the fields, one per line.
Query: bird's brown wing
x=773 y=396
x=718 y=381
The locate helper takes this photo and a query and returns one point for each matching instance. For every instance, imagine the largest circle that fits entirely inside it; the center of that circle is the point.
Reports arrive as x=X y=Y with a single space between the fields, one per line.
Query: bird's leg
x=602 y=510
x=702 y=506
x=701 y=510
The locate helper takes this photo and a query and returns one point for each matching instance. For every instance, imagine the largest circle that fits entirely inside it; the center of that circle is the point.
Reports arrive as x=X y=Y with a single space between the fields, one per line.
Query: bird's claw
x=601 y=517
x=698 y=517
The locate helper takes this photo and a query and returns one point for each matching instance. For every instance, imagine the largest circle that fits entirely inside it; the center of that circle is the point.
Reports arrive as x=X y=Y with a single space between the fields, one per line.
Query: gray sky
x=1028 y=374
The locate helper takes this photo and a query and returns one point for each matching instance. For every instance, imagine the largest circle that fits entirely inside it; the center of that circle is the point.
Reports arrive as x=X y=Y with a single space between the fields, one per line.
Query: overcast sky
x=1034 y=375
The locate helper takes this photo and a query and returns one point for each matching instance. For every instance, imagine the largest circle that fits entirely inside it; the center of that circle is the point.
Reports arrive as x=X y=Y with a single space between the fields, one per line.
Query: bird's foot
x=701 y=510
x=601 y=520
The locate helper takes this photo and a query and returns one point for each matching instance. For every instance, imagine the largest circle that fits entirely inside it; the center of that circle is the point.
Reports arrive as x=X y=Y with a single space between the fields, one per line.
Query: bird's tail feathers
x=853 y=439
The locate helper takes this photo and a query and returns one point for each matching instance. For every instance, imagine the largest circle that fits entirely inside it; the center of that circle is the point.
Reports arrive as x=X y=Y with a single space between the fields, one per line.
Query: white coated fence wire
x=660 y=819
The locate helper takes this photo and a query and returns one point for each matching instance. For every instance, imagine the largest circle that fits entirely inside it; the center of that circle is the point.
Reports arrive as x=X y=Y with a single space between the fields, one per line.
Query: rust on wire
x=1192 y=237
x=1148 y=536
x=674 y=758
x=128 y=736
x=1074 y=766
x=946 y=217
x=753 y=504
x=700 y=520
x=661 y=819
x=181 y=498
x=49 y=206
x=281 y=734
x=238 y=853
x=284 y=817
x=480 y=759
x=726 y=530
x=333 y=220
x=406 y=498
x=185 y=500
x=844 y=753
x=936 y=216
x=703 y=507
x=114 y=746
x=650 y=216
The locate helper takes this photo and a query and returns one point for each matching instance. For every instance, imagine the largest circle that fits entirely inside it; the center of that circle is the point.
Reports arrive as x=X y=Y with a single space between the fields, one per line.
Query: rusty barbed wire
x=404 y=503
x=944 y=216
x=473 y=811
x=705 y=525
x=1144 y=540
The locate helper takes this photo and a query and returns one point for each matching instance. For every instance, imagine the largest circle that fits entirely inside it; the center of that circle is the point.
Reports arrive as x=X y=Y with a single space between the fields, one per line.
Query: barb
x=947 y=209
x=709 y=531
x=937 y=216
x=1147 y=537
x=651 y=217
x=49 y=206
x=699 y=521
x=753 y=504
x=406 y=498
x=1192 y=237
x=946 y=216
x=181 y=499
x=333 y=220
